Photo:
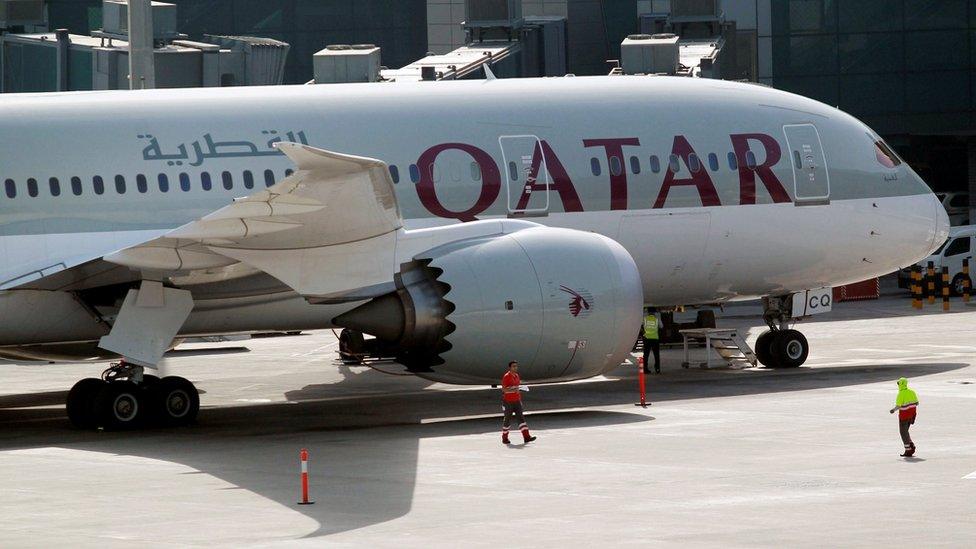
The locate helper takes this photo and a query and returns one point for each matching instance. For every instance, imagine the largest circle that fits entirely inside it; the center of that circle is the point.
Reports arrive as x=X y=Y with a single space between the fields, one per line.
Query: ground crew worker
x=652 y=341
x=512 y=403
x=906 y=403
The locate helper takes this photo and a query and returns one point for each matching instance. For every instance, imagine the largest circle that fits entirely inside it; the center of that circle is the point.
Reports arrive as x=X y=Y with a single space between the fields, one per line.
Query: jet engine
x=565 y=304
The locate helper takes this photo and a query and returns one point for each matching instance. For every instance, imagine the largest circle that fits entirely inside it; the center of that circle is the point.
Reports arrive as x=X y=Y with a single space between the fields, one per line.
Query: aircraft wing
x=332 y=218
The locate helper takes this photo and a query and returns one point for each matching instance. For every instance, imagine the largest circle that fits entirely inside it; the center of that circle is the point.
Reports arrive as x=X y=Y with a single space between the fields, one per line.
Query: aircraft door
x=527 y=178
x=810 y=177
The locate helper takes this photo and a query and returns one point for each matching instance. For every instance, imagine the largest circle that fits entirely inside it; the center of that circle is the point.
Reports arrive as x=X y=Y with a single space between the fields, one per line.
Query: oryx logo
x=581 y=303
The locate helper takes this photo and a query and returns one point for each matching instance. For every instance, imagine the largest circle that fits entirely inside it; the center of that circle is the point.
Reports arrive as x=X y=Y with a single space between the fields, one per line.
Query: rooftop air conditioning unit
x=494 y=13
x=650 y=54
x=21 y=12
x=695 y=8
x=115 y=20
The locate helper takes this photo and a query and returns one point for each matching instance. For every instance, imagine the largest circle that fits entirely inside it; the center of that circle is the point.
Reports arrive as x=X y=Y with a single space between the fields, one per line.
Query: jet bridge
x=462 y=62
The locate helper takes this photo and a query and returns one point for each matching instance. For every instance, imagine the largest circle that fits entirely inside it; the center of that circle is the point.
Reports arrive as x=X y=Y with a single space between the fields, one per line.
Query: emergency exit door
x=526 y=175
x=810 y=177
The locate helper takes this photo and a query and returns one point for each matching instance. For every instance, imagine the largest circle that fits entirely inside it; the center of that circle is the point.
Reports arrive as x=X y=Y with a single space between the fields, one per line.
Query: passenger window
x=98 y=184
x=616 y=167
x=959 y=201
x=141 y=183
x=120 y=184
x=55 y=186
x=248 y=179
x=713 y=161
x=751 y=160
x=228 y=180
x=674 y=164
x=694 y=164
x=414 y=173
x=185 y=182
x=32 y=187
x=595 y=167
x=394 y=174
x=11 y=188
x=163 y=183
x=205 y=182
x=269 y=178
x=797 y=161
x=733 y=161
x=635 y=167
x=655 y=164
x=958 y=246
x=76 y=186
x=513 y=171
x=476 y=171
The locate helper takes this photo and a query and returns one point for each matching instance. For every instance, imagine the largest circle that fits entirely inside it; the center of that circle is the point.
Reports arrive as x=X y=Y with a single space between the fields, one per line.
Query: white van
x=959 y=246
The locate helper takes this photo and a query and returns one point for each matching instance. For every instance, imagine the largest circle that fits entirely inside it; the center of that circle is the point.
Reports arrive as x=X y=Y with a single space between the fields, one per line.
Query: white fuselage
x=719 y=191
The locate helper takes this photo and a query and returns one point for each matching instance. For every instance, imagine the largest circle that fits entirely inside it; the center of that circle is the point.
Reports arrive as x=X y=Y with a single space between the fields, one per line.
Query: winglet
x=489 y=75
x=310 y=158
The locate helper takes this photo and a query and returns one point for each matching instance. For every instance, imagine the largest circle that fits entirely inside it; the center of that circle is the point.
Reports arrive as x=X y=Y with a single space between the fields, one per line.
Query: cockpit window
x=886 y=157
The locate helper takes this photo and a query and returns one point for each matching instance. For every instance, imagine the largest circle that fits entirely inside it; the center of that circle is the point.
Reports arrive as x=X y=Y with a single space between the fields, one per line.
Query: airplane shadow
x=365 y=449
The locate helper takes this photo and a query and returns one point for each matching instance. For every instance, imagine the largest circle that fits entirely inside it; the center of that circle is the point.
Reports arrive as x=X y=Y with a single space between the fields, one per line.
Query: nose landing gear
x=126 y=398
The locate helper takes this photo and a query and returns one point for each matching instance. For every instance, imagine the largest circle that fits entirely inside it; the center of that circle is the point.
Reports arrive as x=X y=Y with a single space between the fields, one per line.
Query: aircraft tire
x=351 y=346
x=80 y=404
x=790 y=349
x=120 y=405
x=764 y=349
x=175 y=401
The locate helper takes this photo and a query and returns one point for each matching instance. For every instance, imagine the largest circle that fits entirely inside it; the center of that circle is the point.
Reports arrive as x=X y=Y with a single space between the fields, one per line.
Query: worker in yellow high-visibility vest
x=652 y=341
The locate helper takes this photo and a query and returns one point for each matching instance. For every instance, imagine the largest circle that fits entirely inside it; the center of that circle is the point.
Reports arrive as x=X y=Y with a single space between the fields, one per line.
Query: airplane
x=463 y=224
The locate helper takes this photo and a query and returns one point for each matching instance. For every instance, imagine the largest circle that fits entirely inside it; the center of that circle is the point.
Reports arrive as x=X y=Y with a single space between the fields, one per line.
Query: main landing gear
x=780 y=346
x=126 y=398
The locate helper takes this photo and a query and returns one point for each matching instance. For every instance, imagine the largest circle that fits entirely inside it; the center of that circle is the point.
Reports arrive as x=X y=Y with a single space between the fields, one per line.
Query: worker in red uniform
x=512 y=403
x=907 y=404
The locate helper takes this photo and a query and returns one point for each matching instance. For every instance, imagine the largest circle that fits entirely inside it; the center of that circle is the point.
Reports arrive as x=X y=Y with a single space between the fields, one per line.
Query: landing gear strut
x=780 y=346
x=126 y=398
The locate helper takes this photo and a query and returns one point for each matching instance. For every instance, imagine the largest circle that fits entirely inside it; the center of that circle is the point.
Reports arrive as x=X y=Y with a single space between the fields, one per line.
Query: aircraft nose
x=941 y=223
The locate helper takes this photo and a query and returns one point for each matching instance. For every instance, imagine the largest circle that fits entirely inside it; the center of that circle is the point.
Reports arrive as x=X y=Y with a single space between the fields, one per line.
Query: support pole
x=641 y=383
x=142 y=69
x=945 y=288
x=930 y=282
x=916 y=286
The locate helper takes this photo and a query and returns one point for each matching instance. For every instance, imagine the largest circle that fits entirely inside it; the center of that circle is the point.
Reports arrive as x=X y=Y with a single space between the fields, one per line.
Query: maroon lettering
x=561 y=183
x=699 y=178
x=747 y=175
x=491 y=182
x=618 y=181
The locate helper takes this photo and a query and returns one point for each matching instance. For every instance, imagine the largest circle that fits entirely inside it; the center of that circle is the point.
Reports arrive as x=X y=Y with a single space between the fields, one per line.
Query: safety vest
x=650 y=327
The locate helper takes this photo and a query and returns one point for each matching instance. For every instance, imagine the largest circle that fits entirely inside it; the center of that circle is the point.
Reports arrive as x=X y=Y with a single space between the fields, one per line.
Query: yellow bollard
x=930 y=283
x=945 y=288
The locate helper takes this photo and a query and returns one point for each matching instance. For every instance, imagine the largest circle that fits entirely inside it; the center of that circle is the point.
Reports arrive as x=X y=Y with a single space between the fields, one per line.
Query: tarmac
x=727 y=457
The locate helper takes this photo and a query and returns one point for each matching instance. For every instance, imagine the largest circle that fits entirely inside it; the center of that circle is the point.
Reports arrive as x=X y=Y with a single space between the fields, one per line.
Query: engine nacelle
x=566 y=304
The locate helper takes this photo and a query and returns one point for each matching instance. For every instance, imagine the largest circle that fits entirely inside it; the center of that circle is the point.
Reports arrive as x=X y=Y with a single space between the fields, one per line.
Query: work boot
x=527 y=437
x=505 y=440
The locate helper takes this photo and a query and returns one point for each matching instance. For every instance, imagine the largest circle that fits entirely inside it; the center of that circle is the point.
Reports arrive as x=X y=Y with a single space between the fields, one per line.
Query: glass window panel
x=713 y=161
x=733 y=162
x=958 y=246
x=804 y=55
x=935 y=92
x=32 y=187
x=120 y=184
x=476 y=171
x=394 y=174
x=928 y=50
x=876 y=52
x=935 y=14
x=98 y=184
x=616 y=167
x=11 y=187
x=512 y=171
x=55 y=186
x=185 y=182
x=228 y=180
x=205 y=182
x=269 y=178
x=249 y=179
x=655 y=164
x=635 y=166
x=870 y=15
x=288 y=172
x=163 y=183
x=595 y=167
x=751 y=160
x=141 y=183
x=414 y=173
x=694 y=164
x=674 y=163
x=812 y=16
x=872 y=94
x=76 y=186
